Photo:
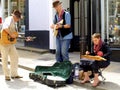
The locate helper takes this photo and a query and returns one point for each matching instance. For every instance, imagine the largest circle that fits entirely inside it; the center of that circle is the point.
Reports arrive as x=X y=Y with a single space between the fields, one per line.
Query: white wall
x=0 y=10
x=52 y=44
x=39 y=15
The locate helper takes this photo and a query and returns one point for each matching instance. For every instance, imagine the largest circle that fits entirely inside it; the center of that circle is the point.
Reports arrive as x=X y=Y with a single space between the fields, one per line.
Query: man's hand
x=13 y=35
x=52 y=26
x=56 y=26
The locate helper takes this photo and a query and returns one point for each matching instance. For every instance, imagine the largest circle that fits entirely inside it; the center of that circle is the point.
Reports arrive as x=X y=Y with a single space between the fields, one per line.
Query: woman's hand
x=87 y=52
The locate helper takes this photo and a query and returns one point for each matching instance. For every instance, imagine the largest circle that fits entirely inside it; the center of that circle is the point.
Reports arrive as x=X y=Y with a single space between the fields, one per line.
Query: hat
x=56 y=3
x=17 y=13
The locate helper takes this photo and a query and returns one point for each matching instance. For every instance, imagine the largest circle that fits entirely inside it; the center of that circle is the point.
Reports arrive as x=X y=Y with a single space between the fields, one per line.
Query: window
x=114 y=22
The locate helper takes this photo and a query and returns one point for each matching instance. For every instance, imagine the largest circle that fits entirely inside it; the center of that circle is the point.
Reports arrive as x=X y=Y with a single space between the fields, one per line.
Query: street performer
x=62 y=31
x=7 y=45
x=99 y=49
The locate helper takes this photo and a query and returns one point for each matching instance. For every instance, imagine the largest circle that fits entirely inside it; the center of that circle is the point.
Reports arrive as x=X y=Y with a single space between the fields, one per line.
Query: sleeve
x=68 y=18
x=108 y=51
x=6 y=23
x=55 y=19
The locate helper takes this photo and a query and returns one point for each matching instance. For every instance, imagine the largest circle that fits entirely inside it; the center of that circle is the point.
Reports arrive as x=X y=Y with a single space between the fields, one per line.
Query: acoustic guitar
x=55 y=31
x=5 y=38
x=28 y=38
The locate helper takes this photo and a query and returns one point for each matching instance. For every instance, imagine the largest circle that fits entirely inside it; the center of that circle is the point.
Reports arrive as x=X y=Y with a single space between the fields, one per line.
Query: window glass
x=114 y=22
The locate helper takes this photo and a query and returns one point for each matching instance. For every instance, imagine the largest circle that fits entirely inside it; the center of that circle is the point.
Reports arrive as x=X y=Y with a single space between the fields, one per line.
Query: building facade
x=87 y=16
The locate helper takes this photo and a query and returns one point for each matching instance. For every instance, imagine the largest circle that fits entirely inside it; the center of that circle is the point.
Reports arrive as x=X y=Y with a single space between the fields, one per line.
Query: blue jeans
x=62 y=47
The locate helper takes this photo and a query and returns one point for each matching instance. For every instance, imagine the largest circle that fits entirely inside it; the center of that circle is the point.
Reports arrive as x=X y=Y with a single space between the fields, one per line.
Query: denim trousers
x=62 y=47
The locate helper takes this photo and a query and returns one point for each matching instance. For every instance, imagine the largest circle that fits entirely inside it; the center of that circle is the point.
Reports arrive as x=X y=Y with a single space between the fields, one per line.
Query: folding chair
x=100 y=74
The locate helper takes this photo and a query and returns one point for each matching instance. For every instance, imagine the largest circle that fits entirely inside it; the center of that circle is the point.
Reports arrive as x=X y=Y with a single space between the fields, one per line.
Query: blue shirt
x=68 y=21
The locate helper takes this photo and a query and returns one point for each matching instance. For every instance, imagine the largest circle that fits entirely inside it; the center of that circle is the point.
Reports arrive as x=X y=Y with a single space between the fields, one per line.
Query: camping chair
x=100 y=74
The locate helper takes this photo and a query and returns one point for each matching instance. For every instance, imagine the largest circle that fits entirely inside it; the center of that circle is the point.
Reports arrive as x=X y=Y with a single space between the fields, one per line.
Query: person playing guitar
x=8 y=40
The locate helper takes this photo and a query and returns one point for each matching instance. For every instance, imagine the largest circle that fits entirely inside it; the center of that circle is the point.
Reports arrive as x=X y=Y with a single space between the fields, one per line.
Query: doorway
x=81 y=25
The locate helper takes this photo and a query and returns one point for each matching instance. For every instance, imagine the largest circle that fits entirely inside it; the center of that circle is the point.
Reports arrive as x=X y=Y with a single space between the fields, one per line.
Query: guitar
x=5 y=38
x=55 y=31
x=28 y=38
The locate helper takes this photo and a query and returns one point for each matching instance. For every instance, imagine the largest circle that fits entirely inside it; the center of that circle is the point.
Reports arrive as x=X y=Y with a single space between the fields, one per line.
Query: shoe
x=16 y=77
x=7 y=78
x=83 y=82
x=96 y=84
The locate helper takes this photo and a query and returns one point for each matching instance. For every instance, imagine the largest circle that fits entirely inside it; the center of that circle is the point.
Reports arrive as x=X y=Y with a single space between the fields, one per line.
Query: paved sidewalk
x=111 y=73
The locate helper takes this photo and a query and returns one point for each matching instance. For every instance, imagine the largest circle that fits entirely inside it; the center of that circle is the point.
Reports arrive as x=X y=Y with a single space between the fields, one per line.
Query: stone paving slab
x=111 y=73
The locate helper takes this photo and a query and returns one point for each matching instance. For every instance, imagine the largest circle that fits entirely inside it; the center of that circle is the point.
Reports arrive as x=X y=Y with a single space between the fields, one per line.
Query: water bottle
x=76 y=72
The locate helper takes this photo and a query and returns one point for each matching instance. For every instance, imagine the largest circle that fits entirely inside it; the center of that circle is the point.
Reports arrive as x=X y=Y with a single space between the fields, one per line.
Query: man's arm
x=12 y=35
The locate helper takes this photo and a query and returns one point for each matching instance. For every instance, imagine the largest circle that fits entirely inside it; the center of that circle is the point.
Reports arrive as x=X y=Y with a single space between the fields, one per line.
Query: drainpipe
x=107 y=1
x=9 y=9
x=82 y=28
x=3 y=9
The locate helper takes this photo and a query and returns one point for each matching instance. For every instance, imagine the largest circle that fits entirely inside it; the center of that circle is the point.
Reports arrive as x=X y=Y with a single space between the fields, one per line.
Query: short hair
x=56 y=3
x=17 y=13
x=96 y=35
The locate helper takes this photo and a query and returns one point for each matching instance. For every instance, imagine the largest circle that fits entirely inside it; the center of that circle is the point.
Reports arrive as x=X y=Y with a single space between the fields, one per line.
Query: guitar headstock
x=30 y=38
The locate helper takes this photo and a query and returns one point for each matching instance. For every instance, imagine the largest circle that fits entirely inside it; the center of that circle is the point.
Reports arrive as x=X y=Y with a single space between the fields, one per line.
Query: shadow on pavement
x=110 y=86
x=19 y=84
x=102 y=86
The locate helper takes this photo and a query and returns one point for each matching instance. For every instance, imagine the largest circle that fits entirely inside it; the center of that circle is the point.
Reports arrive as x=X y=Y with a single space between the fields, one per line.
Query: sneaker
x=16 y=77
x=7 y=78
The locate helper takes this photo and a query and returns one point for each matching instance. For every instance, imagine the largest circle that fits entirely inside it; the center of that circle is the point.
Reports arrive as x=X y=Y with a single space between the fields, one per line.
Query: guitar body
x=6 y=39
x=55 y=30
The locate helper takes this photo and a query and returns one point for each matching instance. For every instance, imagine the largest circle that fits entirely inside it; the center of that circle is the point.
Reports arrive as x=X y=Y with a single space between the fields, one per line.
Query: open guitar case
x=57 y=75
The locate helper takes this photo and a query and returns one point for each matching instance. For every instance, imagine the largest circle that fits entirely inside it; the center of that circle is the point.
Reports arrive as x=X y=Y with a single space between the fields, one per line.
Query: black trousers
x=95 y=66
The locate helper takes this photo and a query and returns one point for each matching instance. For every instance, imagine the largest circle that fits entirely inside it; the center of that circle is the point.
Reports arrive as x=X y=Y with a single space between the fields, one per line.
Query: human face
x=95 y=41
x=58 y=7
x=16 y=19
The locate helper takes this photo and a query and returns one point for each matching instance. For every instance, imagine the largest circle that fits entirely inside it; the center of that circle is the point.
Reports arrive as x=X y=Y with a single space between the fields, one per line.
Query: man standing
x=64 y=35
x=9 y=34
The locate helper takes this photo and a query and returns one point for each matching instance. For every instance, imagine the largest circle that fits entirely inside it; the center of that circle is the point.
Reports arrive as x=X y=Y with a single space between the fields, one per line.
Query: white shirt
x=9 y=24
